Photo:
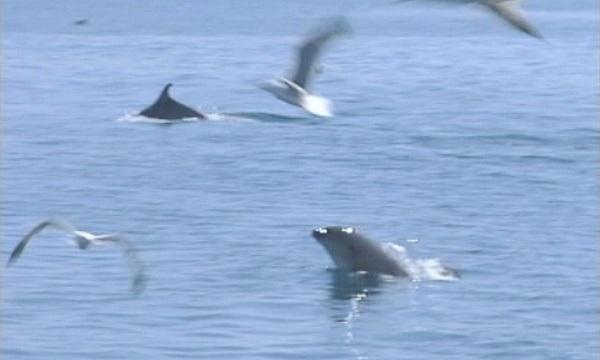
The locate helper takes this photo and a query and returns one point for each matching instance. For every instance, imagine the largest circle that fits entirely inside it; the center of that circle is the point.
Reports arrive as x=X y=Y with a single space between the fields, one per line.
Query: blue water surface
x=450 y=128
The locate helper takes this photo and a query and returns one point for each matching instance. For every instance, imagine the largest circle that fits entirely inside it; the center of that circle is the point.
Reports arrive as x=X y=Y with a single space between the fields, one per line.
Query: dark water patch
x=461 y=156
x=345 y=285
x=546 y=159
x=511 y=139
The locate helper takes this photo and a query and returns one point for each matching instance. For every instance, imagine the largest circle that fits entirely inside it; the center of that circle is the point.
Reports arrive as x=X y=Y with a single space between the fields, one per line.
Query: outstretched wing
x=293 y=87
x=311 y=48
x=136 y=267
x=510 y=11
x=56 y=224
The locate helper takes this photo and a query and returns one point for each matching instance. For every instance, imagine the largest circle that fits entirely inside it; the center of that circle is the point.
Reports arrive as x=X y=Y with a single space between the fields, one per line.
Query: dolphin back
x=167 y=108
x=353 y=251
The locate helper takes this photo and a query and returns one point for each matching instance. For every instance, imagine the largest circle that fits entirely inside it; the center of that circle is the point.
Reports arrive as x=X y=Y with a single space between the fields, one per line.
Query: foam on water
x=317 y=105
x=420 y=269
x=216 y=116
x=137 y=118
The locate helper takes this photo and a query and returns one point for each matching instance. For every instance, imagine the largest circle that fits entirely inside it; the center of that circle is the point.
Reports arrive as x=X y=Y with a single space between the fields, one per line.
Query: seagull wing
x=292 y=86
x=510 y=11
x=56 y=224
x=136 y=267
x=311 y=48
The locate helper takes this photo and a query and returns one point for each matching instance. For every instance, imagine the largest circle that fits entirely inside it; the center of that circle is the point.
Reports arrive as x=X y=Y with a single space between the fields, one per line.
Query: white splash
x=316 y=105
x=214 y=116
x=217 y=116
x=420 y=269
x=137 y=118
x=350 y=320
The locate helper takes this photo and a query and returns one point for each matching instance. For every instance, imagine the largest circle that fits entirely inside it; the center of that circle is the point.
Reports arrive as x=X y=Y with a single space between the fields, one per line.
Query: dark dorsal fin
x=165 y=107
x=164 y=95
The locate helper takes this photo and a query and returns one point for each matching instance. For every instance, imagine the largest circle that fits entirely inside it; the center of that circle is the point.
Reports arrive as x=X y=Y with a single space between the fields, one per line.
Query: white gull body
x=83 y=239
x=295 y=91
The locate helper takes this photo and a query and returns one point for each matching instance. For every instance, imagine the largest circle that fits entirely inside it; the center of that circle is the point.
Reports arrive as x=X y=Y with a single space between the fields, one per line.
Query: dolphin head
x=353 y=251
x=332 y=233
x=339 y=243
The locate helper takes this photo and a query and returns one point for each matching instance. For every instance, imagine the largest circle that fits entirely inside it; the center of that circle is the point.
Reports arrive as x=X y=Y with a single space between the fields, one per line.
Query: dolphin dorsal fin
x=164 y=95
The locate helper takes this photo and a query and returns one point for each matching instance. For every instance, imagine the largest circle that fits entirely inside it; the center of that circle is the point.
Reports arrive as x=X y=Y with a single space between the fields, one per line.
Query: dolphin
x=167 y=108
x=352 y=251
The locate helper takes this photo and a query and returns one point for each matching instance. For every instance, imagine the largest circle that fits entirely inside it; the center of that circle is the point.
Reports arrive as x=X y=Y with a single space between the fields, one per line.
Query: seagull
x=294 y=91
x=510 y=11
x=83 y=239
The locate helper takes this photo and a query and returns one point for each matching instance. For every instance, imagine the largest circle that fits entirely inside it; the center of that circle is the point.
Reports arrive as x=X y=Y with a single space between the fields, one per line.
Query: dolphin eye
x=321 y=230
x=348 y=230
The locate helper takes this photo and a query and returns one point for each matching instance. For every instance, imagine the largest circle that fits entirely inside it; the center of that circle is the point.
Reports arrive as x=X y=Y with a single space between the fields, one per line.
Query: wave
x=137 y=118
x=267 y=117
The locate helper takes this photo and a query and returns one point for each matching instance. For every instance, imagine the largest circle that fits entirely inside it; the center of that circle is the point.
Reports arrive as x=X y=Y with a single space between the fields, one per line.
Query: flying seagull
x=294 y=90
x=83 y=240
x=510 y=11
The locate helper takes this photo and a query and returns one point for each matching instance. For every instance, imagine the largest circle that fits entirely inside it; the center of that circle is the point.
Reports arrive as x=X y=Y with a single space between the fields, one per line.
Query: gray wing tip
x=16 y=253
x=342 y=26
x=536 y=34
x=138 y=284
x=331 y=26
x=335 y=26
x=14 y=256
